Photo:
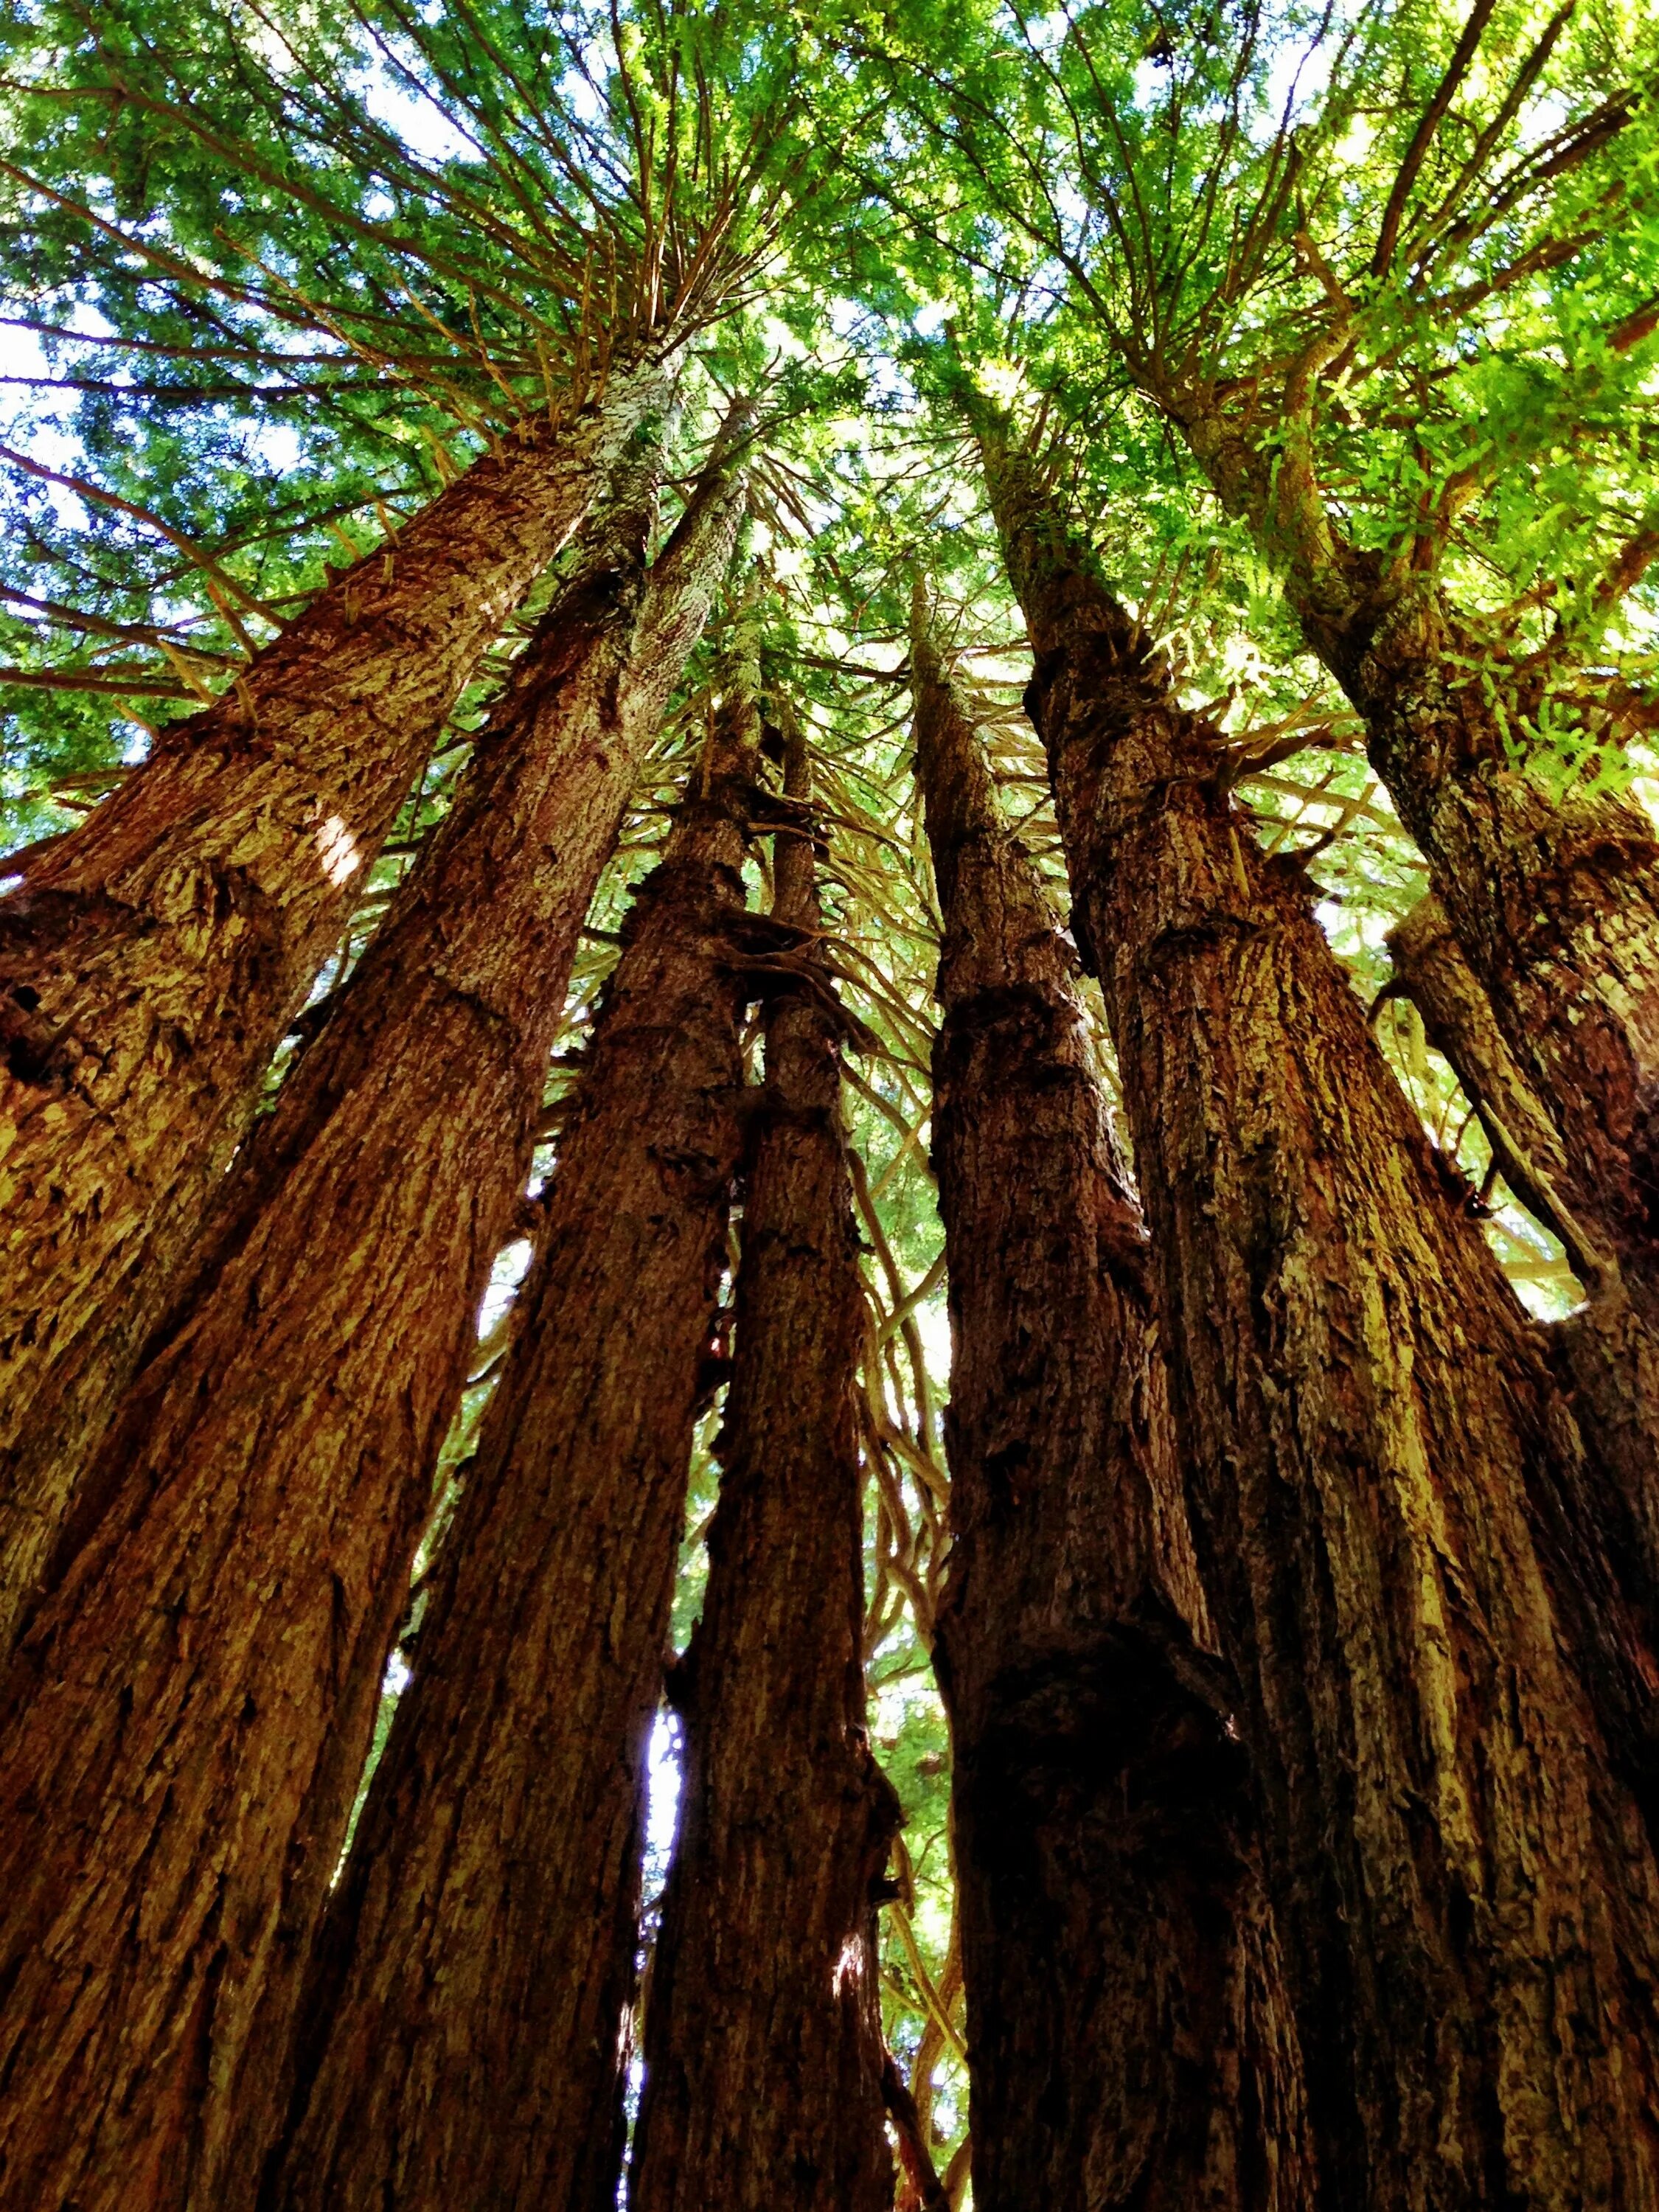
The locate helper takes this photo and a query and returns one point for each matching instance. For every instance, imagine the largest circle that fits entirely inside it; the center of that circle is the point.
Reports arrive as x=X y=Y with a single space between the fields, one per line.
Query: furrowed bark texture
x=463 y=2043
x=187 y=1720
x=1130 y=2039
x=1555 y=902
x=762 y=2035
x=1608 y=1350
x=1466 y=1898
x=153 y=957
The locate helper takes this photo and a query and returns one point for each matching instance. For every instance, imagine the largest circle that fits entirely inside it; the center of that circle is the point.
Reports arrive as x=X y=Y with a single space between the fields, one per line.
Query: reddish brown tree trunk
x=153 y=958
x=185 y=1722
x=1555 y=902
x=1130 y=2040
x=1465 y=1897
x=763 y=2034
x=463 y=2039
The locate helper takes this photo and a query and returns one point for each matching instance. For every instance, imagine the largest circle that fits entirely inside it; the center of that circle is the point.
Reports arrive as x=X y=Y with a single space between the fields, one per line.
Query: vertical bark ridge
x=1130 y=2039
x=762 y=2035
x=1466 y=1898
x=1554 y=900
x=1608 y=1350
x=462 y=2043
x=152 y=958
x=185 y=1720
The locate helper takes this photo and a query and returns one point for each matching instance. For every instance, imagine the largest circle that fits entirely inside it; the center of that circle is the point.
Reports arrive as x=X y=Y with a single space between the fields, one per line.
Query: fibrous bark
x=185 y=1722
x=1378 y=1472
x=463 y=2039
x=1608 y=1350
x=763 y=2034
x=151 y=959
x=1130 y=2039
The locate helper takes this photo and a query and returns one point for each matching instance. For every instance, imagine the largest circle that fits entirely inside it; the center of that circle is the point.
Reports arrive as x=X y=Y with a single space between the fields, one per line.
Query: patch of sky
x=932 y=1322
x=662 y=1804
x=1074 y=210
x=1151 y=79
x=505 y=1277
x=586 y=103
x=1299 y=72
x=277 y=445
x=411 y=115
x=35 y=419
x=1047 y=33
x=663 y=1771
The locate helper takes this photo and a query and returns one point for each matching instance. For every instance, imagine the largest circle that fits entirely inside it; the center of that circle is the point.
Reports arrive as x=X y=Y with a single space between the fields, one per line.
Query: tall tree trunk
x=153 y=958
x=1466 y=1900
x=462 y=2043
x=1555 y=902
x=1130 y=2040
x=1608 y=1350
x=185 y=1720
x=762 y=2035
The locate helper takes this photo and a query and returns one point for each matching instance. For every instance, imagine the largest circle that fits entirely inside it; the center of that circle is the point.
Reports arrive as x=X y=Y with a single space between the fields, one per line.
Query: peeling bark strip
x=462 y=2043
x=1556 y=904
x=1466 y=1899
x=763 y=2036
x=1608 y=1348
x=1130 y=2040
x=188 y=1716
x=155 y=956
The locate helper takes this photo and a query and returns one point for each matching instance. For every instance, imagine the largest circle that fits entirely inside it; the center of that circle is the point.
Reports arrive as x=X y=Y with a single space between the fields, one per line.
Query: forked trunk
x=763 y=2034
x=153 y=958
x=187 y=1719
x=1608 y=1349
x=1467 y=1899
x=463 y=2039
x=1554 y=900
x=1130 y=2040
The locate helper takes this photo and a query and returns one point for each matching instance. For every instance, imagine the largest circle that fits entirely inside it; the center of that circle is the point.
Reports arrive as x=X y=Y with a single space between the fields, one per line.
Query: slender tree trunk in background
x=1466 y=1901
x=187 y=1717
x=462 y=2043
x=1608 y=1350
x=1555 y=902
x=763 y=2036
x=1130 y=2039
x=153 y=958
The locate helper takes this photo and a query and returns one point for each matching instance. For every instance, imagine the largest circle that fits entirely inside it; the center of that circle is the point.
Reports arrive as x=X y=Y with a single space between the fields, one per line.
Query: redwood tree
x=187 y=1718
x=150 y=961
x=462 y=2037
x=1376 y=1465
x=1130 y=2039
x=1554 y=898
x=763 y=2059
